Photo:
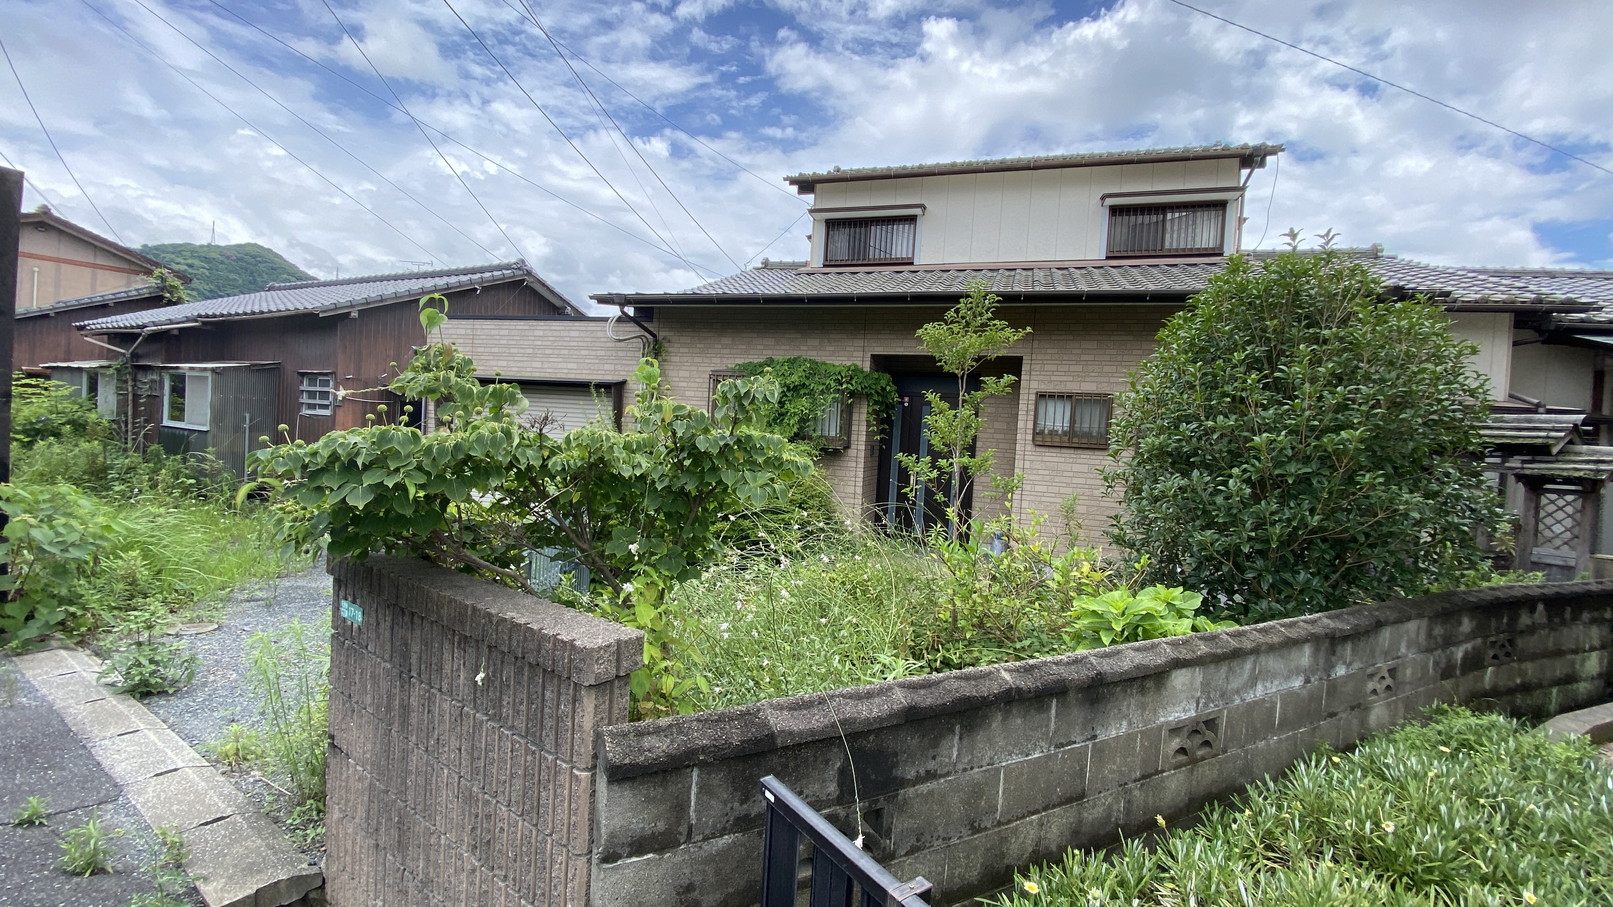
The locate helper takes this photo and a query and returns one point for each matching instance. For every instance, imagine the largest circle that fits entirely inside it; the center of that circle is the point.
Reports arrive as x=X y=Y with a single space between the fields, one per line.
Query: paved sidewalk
x=40 y=756
x=237 y=855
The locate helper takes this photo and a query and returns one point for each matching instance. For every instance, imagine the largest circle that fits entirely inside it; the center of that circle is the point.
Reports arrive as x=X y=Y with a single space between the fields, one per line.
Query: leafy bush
x=143 y=666
x=42 y=409
x=1467 y=810
x=1294 y=445
x=808 y=387
x=1120 y=616
x=53 y=540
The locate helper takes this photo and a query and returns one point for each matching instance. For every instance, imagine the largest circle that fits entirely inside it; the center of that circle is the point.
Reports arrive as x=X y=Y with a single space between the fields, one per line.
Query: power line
x=423 y=133
x=445 y=135
x=42 y=128
x=608 y=184
x=771 y=184
x=383 y=177
x=575 y=75
x=781 y=235
x=31 y=184
x=250 y=125
x=1396 y=85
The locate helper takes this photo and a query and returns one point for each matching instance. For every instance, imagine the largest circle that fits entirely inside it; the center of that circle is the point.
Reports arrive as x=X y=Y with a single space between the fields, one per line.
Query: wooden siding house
x=1092 y=252
x=313 y=356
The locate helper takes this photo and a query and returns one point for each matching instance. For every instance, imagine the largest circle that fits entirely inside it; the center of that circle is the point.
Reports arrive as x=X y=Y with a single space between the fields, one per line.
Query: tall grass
x=818 y=613
x=289 y=671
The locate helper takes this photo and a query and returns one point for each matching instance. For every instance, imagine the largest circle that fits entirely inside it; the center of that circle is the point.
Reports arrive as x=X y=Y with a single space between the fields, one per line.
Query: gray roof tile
x=318 y=296
x=142 y=291
x=805 y=181
x=1167 y=278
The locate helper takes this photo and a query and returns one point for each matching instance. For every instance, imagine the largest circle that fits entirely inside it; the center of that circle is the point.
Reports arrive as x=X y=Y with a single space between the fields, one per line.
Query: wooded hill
x=225 y=270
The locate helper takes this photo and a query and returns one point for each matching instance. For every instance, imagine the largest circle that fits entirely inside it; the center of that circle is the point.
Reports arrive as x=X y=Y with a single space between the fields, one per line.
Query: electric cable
x=450 y=138
x=1276 y=171
x=578 y=76
x=31 y=184
x=49 y=138
x=423 y=133
x=778 y=237
x=1410 y=91
x=250 y=125
x=322 y=134
x=608 y=184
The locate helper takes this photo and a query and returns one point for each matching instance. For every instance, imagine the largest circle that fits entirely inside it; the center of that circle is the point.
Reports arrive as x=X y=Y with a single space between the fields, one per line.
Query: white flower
x=723 y=625
x=633 y=548
x=627 y=587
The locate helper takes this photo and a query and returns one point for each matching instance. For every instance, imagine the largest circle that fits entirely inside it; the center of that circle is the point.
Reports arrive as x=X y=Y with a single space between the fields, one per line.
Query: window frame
x=1119 y=212
x=186 y=399
x=305 y=394
x=1067 y=436
x=836 y=224
x=839 y=441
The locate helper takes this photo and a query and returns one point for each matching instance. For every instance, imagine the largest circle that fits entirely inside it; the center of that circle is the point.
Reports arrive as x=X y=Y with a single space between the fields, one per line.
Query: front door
x=900 y=504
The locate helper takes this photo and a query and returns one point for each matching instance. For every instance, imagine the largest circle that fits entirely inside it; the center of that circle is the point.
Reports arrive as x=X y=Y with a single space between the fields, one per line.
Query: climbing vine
x=807 y=387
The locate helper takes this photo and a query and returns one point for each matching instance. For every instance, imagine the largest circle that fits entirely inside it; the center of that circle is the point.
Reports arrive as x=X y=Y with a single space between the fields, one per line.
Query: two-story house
x=1091 y=251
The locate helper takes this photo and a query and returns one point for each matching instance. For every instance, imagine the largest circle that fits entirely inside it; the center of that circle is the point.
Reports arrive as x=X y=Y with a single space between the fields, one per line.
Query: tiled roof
x=1544 y=431
x=144 y=291
x=323 y=296
x=1594 y=287
x=1157 y=278
x=1252 y=155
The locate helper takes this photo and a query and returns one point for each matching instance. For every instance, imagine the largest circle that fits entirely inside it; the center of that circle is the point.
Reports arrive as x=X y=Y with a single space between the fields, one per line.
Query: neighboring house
x=45 y=335
x=60 y=260
x=1091 y=251
x=312 y=356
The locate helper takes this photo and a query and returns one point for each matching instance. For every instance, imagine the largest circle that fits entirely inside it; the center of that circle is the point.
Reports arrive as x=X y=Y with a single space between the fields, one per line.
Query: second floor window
x=870 y=241
x=1197 y=229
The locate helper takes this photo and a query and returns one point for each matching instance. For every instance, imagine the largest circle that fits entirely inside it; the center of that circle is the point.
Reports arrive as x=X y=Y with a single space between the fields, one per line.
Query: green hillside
x=225 y=270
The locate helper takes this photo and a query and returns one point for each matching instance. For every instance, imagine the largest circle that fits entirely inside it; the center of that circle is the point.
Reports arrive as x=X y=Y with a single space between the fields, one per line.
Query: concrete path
x=79 y=743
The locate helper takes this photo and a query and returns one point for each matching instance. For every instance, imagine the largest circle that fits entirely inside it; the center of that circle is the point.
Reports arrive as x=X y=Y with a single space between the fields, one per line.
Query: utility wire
x=771 y=184
x=1396 y=85
x=1276 y=171
x=250 y=125
x=326 y=136
x=578 y=76
x=31 y=184
x=423 y=133
x=778 y=237
x=562 y=132
x=446 y=136
x=600 y=113
x=42 y=128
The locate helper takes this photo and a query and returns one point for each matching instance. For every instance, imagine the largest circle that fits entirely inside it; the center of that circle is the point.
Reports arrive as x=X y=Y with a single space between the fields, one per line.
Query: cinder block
x=1012 y=730
x=941 y=811
x=644 y=815
x=1044 y=782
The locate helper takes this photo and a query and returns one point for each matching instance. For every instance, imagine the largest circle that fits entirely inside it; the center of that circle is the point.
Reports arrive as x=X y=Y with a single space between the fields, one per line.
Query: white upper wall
x=1023 y=215
x=1491 y=332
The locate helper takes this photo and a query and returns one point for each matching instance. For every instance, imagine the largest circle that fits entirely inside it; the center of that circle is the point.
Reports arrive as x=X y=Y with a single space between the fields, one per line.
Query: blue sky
x=707 y=104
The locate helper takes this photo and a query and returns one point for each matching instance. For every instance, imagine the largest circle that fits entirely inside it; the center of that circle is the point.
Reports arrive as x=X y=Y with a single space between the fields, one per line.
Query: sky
x=642 y=146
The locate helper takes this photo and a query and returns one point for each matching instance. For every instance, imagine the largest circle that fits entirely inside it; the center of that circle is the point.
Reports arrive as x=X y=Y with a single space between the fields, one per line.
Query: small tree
x=1295 y=445
x=970 y=335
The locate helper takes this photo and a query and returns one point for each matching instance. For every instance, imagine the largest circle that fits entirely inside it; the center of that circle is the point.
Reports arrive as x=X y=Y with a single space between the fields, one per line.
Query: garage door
x=559 y=408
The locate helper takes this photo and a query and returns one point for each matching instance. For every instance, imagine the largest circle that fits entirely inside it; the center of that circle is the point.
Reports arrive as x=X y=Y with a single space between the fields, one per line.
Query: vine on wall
x=808 y=387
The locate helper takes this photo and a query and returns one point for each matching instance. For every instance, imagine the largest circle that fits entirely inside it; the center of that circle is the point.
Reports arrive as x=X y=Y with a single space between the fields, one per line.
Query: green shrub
x=1467 y=810
x=43 y=409
x=1121 y=616
x=142 y=666
x=53 y=540
x=1295 y=445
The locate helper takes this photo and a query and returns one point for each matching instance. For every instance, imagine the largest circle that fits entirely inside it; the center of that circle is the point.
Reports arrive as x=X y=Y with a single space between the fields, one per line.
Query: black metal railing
x=840 y=869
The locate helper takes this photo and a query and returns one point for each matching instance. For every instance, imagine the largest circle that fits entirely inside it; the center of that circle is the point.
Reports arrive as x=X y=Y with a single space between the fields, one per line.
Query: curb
x=239 y=857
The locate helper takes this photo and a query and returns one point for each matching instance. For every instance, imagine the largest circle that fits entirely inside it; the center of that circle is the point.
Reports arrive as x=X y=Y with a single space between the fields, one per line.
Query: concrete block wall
x=461 y=767
x=962 y=777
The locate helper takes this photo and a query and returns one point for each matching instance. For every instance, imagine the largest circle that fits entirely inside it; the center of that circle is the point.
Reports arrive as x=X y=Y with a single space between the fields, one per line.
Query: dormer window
x=1178 y=229
x=870 y=241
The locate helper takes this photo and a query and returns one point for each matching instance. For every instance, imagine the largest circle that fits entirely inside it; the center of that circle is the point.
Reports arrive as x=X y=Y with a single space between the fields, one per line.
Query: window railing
x=870 y=241
x=1198 y=229
x=1072 y=420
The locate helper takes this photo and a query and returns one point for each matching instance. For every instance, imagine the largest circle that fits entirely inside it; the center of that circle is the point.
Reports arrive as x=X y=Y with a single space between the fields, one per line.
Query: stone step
x=239 y=857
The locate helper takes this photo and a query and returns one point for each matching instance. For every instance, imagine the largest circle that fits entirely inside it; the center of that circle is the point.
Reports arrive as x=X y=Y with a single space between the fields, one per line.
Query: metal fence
x=842 y=874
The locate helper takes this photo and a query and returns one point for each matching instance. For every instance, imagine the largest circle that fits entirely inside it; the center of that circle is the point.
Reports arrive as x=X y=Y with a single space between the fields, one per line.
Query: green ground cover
x=1466 y=810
